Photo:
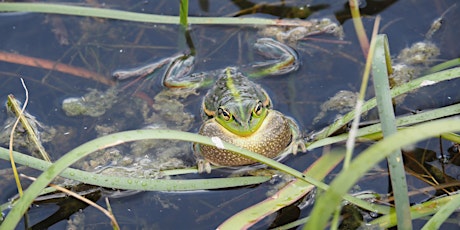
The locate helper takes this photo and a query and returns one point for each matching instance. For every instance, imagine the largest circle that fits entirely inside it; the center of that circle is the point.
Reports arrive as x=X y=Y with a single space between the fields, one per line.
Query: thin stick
x=52 y=65
x=359 y=104
x=84 y=199
x=109 y=208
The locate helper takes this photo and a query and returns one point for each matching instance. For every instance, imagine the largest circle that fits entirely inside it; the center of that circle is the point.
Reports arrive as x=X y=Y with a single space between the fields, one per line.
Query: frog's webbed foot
x=203 y=166
x=141 y=71
x=283 y=59
x=178 y=74
x=298 y=144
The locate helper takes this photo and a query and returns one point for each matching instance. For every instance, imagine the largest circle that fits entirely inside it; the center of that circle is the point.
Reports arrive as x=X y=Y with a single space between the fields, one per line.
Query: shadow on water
x=329 y=65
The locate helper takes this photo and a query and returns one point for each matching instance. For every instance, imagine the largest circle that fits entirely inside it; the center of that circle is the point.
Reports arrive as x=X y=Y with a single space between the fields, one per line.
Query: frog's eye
x=224 y=114
x=258 y=108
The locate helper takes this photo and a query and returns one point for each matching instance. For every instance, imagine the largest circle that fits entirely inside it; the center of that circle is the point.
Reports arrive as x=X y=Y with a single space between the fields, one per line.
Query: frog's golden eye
x=258 y=108
x=224 y=114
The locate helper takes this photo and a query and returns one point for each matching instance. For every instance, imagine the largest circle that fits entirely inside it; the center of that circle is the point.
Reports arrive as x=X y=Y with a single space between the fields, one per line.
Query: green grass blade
x=130 y=183
x=443 y=213
x=126 y=15
x=367 y=159
x=418 y=211
x=451 y=137
x=369 y=53
x=183 y=14
x=444 y=65
x=380 y=73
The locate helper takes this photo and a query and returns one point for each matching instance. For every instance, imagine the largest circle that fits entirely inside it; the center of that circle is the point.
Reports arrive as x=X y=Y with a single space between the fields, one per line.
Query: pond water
x=329 y=64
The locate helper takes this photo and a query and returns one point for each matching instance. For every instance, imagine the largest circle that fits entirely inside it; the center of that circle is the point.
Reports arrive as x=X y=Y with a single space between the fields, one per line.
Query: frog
x=235 y=109
x=240 y=112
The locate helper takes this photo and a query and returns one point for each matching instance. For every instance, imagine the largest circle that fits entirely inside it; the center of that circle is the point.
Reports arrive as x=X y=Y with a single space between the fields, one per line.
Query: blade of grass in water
x=443 y=213
x=360 y=101
x=422 y=210
x=381 y=69
x=131 y=183
x=444 y=65
x=131 y=16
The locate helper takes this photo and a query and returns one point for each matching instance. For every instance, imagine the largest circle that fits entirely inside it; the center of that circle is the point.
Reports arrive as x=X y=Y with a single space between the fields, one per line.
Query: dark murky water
x=328 y=66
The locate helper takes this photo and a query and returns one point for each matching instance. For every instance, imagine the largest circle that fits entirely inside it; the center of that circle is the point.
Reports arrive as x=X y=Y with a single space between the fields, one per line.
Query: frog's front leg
x=282 y=58
x=203 y=165
x=297 y=138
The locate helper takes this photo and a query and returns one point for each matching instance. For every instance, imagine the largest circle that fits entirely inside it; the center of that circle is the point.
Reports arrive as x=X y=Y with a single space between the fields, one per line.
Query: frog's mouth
x=244 y=129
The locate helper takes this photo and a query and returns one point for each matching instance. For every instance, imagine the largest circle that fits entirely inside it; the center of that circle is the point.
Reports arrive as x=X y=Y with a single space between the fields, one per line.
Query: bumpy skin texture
x=251 y=124
x=270 y=140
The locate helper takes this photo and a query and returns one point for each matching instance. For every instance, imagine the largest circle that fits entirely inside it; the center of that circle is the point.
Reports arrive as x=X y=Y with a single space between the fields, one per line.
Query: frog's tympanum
x=235 y=109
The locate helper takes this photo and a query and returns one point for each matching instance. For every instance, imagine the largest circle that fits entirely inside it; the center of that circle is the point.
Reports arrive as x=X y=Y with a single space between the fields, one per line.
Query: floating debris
x=94 y=104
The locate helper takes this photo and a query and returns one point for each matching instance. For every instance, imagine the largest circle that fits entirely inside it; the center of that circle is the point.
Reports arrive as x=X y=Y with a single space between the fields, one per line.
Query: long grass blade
x=443 y=213
x=359 y=103
x=419 y=211
x=131 y=16
x=381 y=69
x=130 y=183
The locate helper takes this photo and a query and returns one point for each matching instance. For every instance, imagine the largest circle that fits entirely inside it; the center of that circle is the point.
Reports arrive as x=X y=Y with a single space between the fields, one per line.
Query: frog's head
x=237 y=104
x=242 y=118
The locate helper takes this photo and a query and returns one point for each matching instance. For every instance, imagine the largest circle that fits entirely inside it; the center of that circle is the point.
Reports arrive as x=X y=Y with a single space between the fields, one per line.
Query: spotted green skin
x=240 y=112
